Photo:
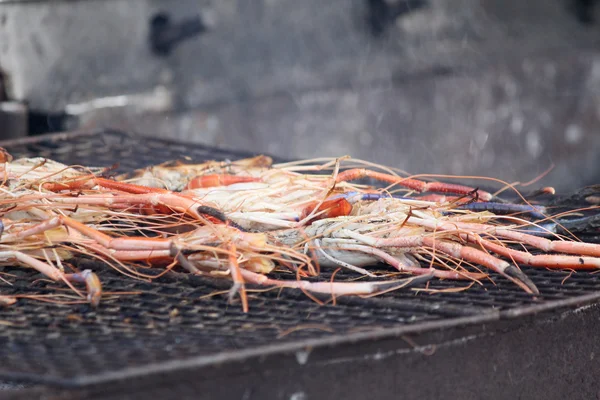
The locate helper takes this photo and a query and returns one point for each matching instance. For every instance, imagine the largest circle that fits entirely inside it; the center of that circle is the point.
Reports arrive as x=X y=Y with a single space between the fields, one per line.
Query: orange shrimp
x=214 y=180
x=329 y=209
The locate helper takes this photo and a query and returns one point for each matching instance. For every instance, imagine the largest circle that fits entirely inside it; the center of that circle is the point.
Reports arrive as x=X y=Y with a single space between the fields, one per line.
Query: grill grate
x=179 y=316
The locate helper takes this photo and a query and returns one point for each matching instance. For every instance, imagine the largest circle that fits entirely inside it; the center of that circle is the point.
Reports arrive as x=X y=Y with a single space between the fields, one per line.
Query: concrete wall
x=504 y=88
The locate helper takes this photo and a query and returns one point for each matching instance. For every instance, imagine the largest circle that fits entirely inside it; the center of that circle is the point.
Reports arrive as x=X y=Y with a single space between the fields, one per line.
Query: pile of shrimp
x=244 y=220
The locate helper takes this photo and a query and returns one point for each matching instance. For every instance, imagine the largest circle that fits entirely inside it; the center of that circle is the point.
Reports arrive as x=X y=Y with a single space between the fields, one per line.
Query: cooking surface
x=180 y=317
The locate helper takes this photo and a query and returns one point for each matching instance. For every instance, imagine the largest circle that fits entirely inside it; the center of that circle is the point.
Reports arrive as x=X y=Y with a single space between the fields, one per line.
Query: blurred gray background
x=503 y=88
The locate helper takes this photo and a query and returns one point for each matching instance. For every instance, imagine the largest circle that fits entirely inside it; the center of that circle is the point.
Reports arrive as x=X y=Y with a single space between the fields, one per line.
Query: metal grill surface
x=177 y=316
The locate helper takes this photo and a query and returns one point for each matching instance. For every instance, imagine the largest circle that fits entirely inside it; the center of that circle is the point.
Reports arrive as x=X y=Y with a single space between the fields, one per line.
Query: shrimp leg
x=125 y=248
x=336 y=288
x=93 y=285
x=453 y=249
x=414 y=184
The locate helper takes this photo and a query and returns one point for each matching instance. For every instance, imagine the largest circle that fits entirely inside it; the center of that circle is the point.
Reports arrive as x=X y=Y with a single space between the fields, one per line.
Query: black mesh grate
x=179 y=316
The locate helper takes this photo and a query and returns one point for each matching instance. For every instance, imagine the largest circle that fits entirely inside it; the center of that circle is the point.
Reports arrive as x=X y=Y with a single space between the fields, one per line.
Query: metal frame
x=549 y=354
